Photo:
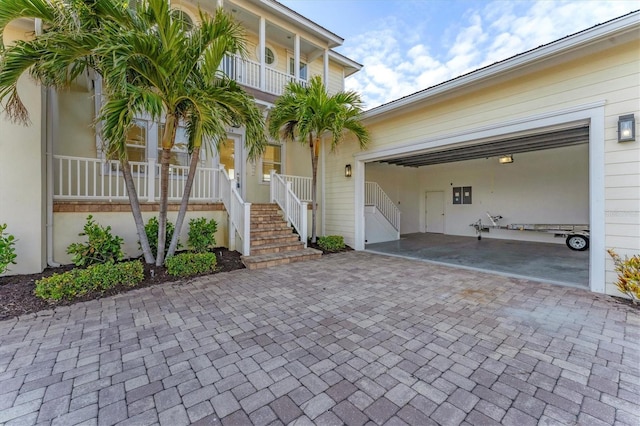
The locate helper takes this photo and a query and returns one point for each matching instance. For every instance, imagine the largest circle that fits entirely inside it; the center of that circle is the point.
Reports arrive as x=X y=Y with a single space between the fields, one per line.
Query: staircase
x=273 y=241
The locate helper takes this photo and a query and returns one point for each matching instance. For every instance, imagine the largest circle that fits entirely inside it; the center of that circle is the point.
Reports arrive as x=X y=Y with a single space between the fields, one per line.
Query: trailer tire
x=577 y=242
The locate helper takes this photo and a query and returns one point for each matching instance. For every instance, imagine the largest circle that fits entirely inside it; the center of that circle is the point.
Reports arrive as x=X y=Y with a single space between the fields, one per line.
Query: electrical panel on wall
x=462 y=195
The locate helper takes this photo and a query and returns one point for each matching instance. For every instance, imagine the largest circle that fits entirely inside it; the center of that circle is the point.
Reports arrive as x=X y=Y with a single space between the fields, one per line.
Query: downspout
x=48 y=129
x=49 y=96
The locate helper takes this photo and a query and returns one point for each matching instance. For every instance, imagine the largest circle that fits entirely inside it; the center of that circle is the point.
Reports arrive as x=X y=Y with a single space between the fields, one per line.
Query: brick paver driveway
x=353 y=338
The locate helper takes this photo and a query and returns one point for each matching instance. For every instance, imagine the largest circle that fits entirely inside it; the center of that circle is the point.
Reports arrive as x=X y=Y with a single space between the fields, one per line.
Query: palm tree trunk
x=137 y=213
x=314 y=183
x=164 y=205
x=193 y=165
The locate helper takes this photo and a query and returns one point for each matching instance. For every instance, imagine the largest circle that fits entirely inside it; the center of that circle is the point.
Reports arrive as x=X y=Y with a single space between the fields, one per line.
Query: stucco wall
x=22 y=203
x=67 y=226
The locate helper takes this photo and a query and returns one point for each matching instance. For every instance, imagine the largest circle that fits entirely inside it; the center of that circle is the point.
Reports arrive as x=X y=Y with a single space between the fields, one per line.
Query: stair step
x=264 y=207
x=277 y=248
x=275 y=259
x=274 y=239
x=280 y=224
x=256 y=233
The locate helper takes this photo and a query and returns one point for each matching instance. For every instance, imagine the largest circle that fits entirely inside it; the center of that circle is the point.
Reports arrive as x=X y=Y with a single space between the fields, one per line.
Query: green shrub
x=202 y=234
x=188 y=264
x=102 y=247
x=99 y=277
x=151 y=229
x=7 y=250
x=331 y=243
x=628 y=275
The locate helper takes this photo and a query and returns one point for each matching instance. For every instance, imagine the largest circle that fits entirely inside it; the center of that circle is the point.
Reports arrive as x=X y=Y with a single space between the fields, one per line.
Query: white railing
x=295 y=211
x=247 y=72
x=301 y=186
x=239 y=213
x=375 y=196
x=78 y=178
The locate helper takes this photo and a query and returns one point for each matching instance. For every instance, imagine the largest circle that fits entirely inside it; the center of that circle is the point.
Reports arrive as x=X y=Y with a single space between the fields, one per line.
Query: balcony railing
x=247 y=72
x=77 y=178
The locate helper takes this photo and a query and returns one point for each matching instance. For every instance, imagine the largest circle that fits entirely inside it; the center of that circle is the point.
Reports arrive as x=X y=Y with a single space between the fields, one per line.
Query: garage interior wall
x=550 y=186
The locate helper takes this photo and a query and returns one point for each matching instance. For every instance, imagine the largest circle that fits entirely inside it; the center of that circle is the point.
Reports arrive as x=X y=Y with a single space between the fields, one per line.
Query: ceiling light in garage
x=506 y=159
x=626 y=128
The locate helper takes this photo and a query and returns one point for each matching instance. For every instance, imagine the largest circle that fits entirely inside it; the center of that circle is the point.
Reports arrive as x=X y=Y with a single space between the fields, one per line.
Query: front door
x=231 y=159
x=434 y=212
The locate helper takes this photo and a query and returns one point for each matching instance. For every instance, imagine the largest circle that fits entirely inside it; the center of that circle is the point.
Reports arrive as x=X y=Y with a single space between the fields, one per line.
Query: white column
x=325 y=76
x=261 y=46
x=296 y=57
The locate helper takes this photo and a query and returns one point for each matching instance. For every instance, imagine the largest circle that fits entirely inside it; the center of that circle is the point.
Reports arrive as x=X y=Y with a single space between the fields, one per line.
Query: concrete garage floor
x=554 y=263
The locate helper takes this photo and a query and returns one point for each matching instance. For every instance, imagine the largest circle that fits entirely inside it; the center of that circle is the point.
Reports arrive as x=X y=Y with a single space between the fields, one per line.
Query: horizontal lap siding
x=611 y=76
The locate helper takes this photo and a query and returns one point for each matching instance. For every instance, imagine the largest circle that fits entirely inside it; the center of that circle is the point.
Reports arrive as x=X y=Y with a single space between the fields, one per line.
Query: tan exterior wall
x=75 y=133
x=67 y=226
x=22 y=174
x=611 y=76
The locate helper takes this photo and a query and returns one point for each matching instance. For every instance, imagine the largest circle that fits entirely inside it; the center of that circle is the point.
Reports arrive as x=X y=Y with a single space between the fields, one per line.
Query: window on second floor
x=303 y=69
x=271 y=160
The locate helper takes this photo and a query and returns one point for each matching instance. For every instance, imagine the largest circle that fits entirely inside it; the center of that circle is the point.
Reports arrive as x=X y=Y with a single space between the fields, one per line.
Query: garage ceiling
x=495 y=148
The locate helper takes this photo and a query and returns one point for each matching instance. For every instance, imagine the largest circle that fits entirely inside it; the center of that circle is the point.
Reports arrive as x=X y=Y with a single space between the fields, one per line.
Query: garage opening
x=506 y=204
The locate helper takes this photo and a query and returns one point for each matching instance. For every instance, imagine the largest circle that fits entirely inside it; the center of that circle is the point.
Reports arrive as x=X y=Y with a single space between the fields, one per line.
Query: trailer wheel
x=578 y=242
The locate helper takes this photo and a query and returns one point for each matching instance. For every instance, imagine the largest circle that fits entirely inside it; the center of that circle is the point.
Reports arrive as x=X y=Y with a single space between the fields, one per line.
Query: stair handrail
x=239 y=213
x=374 y=195
x=295 y=211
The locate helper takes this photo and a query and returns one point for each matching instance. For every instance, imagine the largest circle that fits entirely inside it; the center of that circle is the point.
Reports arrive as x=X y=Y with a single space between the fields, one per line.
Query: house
x=555 y=111
x=60 y=156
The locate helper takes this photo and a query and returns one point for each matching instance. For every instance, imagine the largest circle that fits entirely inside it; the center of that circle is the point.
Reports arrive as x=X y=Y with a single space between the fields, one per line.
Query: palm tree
x=168 y=72
x=306 y=113
x=56 y=57
x=149 y=64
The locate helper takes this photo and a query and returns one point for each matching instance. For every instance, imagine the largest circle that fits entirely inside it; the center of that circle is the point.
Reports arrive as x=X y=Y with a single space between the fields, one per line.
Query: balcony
x=247 y=73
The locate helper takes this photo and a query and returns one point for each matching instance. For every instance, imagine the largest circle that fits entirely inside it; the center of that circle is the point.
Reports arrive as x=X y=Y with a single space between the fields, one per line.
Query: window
x=270 y=57
x=303 y=69
x=271 y=160
x=183 y=18
x=136 y=142
x=180 y=151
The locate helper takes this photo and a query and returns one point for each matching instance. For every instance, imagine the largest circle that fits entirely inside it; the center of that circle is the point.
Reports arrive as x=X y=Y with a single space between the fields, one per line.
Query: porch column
x=325 y=76
x=296 y=57
x=261 y=47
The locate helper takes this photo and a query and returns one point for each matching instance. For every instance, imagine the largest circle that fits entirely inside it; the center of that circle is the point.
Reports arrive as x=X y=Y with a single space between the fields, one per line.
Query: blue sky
x=408 y=45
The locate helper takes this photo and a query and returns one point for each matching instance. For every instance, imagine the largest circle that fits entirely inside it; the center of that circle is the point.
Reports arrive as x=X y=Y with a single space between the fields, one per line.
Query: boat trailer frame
x=576 y=236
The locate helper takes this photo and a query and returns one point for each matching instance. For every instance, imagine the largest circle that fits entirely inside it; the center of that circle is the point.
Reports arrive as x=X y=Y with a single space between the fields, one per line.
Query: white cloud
x=398 y=61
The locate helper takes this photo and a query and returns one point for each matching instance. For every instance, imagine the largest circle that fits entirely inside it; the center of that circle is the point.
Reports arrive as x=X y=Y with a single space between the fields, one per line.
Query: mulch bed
x=17 y=298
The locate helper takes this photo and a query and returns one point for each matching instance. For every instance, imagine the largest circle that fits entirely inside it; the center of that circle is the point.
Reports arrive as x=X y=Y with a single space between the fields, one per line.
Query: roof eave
x=275 y=7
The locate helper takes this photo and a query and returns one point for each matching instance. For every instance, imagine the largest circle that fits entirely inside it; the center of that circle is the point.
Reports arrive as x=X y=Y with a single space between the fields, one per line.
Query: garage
x=510 y=188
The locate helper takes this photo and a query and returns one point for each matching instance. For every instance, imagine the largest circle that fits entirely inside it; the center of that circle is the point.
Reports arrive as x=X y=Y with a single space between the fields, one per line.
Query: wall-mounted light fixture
x=347 y=170
x=626 y=128
x=505 y=159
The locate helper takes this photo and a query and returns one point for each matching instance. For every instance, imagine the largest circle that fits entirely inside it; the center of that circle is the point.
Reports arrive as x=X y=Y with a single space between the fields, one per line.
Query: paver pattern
x=354 y=338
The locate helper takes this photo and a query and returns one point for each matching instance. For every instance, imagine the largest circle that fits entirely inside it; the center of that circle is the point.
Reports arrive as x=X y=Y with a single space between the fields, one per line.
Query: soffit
x=494 y=148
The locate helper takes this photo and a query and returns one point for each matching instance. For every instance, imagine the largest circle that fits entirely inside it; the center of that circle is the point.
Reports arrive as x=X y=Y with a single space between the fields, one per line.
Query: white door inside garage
x=434 y=212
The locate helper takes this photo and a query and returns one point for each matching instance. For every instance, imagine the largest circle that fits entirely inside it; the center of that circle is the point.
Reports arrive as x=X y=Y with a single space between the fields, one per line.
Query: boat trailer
x=577 y=236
